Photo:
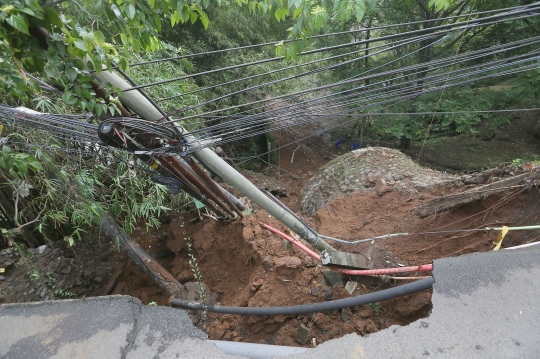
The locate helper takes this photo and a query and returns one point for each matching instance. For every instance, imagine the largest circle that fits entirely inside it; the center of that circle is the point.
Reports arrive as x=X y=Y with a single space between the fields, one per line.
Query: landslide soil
x=245 y=265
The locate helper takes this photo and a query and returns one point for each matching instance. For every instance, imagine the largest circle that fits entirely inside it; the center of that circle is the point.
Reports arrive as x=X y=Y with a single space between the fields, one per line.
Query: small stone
x=383 y=190
x=328 y=295
x=365 y=313
x=256 y=284
x=31 y=291
x=217 y=332
x=469 y=179
x=315 y=291
x=351 y=286
x=2 y=277
x=346 y=314
x=366 y=326
x=332 y=278
x=98 y=279
x=66 y=270
x=310 y=173
x=287 y=263
x=267 y=262
x=302 y=334
x=41 y=249
x=43 y=292
x=270 y=328
x=309 y=262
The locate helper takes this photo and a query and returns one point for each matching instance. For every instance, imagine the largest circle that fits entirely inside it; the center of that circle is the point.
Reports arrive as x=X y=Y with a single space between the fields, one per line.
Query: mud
x=246 y=265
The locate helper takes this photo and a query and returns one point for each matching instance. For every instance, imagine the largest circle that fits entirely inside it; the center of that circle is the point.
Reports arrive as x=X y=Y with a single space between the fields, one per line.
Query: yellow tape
x=1 y=129
x=154 y=165
x=500 y=238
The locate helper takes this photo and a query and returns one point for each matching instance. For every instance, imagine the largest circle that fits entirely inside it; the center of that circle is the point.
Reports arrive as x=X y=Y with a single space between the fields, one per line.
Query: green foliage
x=18 y=164
x=196 y=272
x=376 y=308
x=71 y=55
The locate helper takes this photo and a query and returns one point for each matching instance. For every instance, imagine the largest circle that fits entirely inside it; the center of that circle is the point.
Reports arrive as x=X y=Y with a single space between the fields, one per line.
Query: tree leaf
x=99 y=39
x=130 y=11
x=204 y=19
x=124 y=39
x=71 y=74
x=81 y=45
x=360 y=9
x=19 y=23
x=53 y=16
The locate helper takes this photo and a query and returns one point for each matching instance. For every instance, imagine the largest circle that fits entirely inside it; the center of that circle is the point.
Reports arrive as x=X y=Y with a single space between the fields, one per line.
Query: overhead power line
x=206 y=53
x=251 y=131
x=410 y=70
x=468 y=24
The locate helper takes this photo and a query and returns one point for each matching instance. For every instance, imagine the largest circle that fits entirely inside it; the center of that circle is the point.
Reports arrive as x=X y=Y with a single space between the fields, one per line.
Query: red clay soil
x=246 y=265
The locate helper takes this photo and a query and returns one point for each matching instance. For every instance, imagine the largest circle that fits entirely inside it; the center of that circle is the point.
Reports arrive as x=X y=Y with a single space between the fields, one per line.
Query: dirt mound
x=376 y=169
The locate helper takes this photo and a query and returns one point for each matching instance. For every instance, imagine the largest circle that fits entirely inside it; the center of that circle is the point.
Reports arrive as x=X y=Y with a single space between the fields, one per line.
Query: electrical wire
x=306 y=137
x=410 y=94
x=385 y=294
x=407 y=69
x=479 y=22
x=273 y=43
x=391 y=46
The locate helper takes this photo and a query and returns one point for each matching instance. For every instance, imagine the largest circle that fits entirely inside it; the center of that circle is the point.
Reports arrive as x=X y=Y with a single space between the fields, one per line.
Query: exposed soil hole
x=245 y=265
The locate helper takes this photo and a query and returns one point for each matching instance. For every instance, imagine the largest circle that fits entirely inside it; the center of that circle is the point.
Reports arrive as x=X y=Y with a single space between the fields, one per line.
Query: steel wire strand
x=400 y=85
x=363 y=79
x=383 y=94
x=327 y=35
x=478 y=21
x=399 y=70
x=311 y=72
x=360 y=88
x=411 y=95
x=468 y=24
x=256 y=157
x=320 y=88
x=52 y=125
x=391 y=46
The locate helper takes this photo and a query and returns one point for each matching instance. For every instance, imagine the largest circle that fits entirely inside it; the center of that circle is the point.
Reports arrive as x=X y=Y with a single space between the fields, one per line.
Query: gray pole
x=140 y=105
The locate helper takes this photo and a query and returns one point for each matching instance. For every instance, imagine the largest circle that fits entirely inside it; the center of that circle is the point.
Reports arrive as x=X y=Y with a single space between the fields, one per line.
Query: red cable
x=425 y=267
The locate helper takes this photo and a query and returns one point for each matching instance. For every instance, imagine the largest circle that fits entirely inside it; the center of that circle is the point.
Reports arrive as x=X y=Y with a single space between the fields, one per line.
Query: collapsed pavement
x=485 y=305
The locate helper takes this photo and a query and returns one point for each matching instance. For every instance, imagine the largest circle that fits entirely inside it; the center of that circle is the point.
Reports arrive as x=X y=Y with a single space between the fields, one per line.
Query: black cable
x=364 y=99
x=283 y=69
x=356 y=79
x=312 y=135
x=466 y=24
x=379 y=296
x=311 y=72
x=411 y=95
x=324 y=35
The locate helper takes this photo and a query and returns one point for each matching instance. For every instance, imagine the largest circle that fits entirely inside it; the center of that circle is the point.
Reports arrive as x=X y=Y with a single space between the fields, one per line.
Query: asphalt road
x=485 y=305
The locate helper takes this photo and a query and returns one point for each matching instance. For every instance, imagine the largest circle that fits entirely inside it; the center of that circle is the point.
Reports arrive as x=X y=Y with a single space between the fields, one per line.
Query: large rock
x=369 y=169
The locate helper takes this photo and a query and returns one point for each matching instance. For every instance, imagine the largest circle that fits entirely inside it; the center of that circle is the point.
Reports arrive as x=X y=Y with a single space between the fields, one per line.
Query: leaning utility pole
x=136 y=102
